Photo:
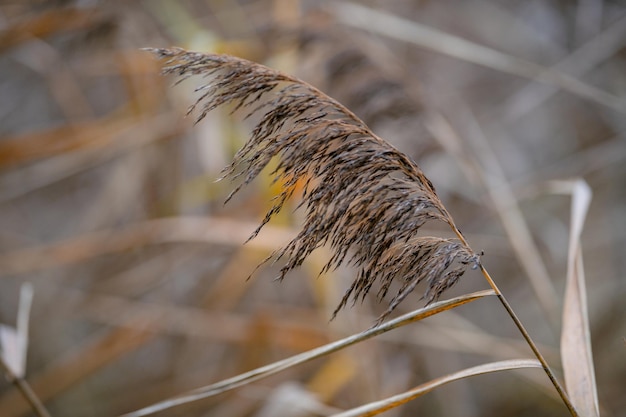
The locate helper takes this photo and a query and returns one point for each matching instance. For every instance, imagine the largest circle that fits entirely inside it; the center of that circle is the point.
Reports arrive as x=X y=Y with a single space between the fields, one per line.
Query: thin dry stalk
x=151 y=232
x=395 y=27
x=13 y=352
x=76 y=365
x=506 y=205
x=109 y=139
x=24 y=388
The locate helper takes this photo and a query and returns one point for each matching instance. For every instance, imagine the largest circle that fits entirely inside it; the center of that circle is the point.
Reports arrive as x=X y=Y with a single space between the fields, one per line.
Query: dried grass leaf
x=363 y=197
x=276 y=367
x=377 y=407
x=74 y=367
x=576 y=355
x=220 y=231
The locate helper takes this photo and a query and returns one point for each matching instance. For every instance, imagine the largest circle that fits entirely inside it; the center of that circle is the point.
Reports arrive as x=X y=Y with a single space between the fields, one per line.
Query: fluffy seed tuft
x=362 y=196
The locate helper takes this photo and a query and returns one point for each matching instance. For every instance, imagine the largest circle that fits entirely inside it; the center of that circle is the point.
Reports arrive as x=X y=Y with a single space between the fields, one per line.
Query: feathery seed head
x=363 y=197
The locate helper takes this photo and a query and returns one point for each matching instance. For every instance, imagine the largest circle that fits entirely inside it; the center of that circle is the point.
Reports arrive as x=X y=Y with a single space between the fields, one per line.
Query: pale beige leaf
x=72 y=368
x=9 y=348
x=378 y=407
x=576 y=354
x=14 y=342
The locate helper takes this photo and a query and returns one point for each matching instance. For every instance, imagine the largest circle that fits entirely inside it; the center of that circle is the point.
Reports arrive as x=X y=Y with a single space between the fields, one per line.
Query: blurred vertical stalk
x=25 y=389
x=557 y=385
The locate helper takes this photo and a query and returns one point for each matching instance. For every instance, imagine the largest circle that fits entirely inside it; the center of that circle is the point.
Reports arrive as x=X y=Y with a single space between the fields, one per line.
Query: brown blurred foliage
x=109 y=205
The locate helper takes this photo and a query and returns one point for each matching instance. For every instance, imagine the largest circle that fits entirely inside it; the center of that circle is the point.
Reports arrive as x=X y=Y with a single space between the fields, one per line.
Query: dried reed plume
x=363 y=197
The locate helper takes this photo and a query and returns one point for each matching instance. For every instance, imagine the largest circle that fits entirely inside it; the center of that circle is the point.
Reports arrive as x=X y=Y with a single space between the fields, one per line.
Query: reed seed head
x=363 y=198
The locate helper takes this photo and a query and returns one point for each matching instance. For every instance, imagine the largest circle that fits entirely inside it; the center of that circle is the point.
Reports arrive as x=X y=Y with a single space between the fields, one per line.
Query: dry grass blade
x=14 y=349
x=403 y=29
x=378 y=407
x=362 y=196
x=578 y=63
x=25 y=390
x=151 y=232
x=14 y=342
x=213 y=327
x=46 y=24
x=577 y=358
x=75 y=366
x=107 y=140
x=265 y=371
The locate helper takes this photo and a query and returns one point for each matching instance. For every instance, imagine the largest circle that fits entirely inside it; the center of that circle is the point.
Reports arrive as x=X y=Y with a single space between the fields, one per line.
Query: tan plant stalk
x=363 y=198
x=25 y=389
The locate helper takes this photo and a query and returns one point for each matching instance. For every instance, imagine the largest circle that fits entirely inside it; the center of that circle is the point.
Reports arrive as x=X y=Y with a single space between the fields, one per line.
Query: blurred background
x=110 y=209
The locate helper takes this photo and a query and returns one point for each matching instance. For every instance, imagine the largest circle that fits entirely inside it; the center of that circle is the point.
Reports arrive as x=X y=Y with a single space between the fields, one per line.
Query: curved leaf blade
x=576 y=354
x=271 y=369
x=378 y=407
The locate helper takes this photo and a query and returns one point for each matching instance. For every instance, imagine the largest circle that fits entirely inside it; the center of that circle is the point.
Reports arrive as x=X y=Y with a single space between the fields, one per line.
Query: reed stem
x=523 y=331
x=25 y=389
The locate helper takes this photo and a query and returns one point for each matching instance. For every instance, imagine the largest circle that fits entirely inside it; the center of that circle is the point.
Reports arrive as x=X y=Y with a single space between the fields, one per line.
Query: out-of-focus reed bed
x=109 y=207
